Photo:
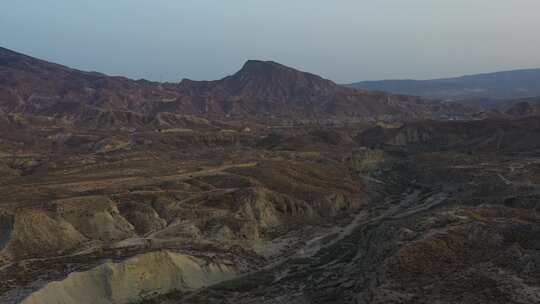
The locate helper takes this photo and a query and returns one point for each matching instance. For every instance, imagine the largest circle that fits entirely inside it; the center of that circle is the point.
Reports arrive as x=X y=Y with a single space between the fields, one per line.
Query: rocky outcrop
x=247 y=213
x=96 y=217
x=37 y=233
x=62 y=226
x=408 y=136
x=133 y=280
x=366 y=159
x=143 y=217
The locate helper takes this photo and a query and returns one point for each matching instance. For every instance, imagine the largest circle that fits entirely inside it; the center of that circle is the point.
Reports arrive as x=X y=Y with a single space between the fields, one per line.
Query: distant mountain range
x=261 y=90
x=482 y=89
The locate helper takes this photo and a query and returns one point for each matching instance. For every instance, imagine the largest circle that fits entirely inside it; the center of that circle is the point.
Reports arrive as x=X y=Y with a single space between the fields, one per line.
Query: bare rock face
x=96 y=217
x=35 y=233
x=411 y=136
x=366 y=160
x=62 y=227
x=243 y=214
x=143 y=217
x=133 y=280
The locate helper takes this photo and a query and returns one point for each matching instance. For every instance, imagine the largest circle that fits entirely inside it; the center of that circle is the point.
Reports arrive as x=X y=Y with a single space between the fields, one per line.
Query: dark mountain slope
x=270 y=81
x=263 y=88
x=260 y=90
x=30 y=85
x=481 y=88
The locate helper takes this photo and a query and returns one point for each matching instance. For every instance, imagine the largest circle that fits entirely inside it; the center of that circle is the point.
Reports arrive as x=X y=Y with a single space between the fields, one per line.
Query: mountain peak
x=271 y=71
x=260 y=66
x=259 y=89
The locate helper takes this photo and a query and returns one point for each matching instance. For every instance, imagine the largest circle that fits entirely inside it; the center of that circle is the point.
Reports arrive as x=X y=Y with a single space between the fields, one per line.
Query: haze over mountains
x=485 y=89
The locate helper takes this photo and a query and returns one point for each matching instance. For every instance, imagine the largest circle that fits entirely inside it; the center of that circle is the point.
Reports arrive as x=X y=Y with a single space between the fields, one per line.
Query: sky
x=343 y=40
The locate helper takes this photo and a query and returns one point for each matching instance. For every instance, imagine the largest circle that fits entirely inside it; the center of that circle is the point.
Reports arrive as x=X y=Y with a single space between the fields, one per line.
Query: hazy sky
x=344 y=40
